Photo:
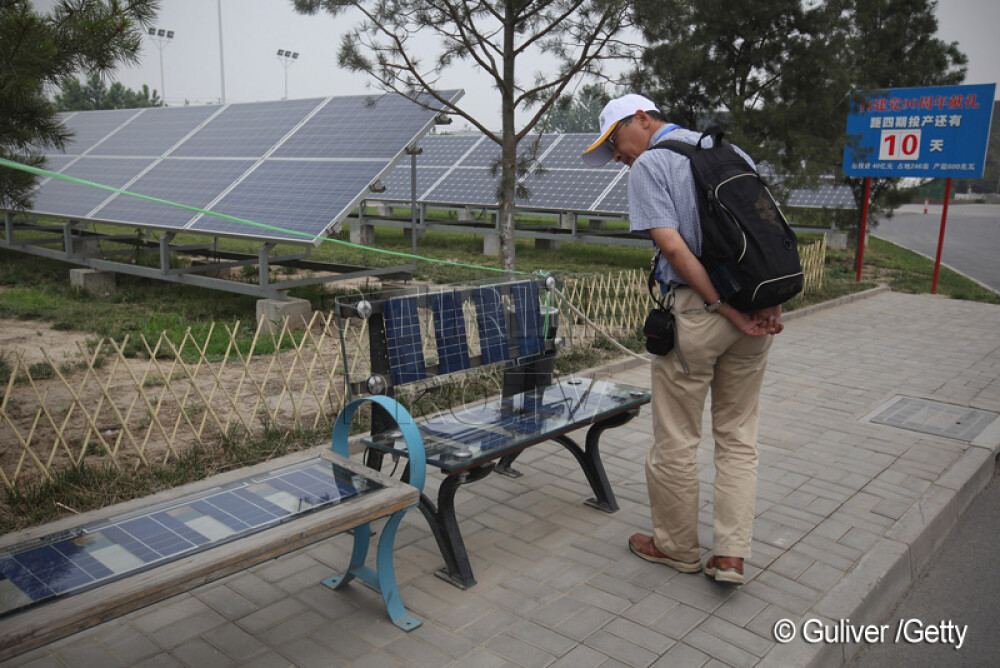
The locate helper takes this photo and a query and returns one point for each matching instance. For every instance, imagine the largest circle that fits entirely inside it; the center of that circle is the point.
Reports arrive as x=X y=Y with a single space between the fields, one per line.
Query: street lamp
x=161 y=37
x=287 y=59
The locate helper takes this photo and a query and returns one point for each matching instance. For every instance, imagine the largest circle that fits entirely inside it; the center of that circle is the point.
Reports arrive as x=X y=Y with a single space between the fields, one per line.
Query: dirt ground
x=31 y=337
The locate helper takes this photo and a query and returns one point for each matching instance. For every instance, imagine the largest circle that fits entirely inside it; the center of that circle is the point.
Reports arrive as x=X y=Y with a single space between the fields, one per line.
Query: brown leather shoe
x=725 y=569
x=644 y=547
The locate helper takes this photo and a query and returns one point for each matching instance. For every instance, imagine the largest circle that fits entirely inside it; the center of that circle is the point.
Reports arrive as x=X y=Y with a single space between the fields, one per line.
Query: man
x=724 y=350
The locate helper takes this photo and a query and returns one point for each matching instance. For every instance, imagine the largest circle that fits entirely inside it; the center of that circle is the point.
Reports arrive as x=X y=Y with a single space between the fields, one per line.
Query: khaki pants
x=732 y=364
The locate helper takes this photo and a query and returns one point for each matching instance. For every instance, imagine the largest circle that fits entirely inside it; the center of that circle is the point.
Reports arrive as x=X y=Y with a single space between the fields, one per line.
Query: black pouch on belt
x=659 y=326
x=659 y=331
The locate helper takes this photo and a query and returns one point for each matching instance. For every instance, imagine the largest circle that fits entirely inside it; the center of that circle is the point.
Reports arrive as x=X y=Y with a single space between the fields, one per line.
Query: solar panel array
x=66 y=564
x=300 y=165
x=823 y=197
x=457 y=170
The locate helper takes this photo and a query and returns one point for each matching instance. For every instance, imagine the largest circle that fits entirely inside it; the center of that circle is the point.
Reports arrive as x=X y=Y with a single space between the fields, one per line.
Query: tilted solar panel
x=301 y=165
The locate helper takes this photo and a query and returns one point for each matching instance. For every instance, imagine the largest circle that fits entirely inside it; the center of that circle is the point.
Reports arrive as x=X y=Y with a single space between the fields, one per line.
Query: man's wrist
x=714 y=306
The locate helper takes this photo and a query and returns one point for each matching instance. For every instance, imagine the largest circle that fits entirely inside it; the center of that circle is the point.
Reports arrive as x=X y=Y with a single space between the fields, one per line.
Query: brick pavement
x=848 y=512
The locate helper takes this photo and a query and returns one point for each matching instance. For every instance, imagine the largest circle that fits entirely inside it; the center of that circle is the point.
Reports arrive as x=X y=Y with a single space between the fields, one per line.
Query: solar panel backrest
x=433 y=332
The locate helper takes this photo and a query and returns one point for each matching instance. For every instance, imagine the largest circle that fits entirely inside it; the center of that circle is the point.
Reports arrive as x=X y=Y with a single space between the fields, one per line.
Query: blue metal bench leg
x=383 y=578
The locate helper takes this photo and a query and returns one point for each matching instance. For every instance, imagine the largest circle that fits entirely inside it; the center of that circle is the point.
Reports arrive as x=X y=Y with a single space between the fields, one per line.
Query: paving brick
x=680 y=620
x=236 y=643
x=581 y=656
x=543 y=638
x=640 y=634
x=741 y=608
x=518 y=651
x=228 y=603
x=620 y=649
x=737 y=636
x=181 y=631
x=584 y=623
x=83 y=654
x=682 y=654
x=720 y=649
x=197 y=653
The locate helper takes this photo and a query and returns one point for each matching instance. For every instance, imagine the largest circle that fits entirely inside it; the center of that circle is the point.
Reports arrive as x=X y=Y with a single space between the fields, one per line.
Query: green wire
x=312 y=237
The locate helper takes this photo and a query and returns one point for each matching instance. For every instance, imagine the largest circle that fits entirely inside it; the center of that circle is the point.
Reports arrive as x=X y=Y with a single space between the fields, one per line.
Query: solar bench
x=423 y=341
x=80 y=571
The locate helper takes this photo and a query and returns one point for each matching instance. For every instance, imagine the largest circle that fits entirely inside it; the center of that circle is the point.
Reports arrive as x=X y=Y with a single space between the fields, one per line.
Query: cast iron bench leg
x=444 y=525
x=590 y=460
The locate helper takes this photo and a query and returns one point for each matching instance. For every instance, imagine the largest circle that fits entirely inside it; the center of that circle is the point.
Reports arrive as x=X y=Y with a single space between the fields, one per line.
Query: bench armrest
x=407 y=426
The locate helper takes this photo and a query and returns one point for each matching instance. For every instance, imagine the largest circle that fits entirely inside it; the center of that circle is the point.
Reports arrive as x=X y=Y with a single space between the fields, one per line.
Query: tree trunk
x=508 y=146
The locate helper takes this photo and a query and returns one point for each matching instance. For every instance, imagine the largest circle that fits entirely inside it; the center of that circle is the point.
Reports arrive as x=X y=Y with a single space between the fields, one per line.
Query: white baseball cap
x=599 y=152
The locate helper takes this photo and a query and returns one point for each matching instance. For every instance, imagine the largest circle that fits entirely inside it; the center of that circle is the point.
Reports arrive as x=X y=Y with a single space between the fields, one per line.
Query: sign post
x=936 y=132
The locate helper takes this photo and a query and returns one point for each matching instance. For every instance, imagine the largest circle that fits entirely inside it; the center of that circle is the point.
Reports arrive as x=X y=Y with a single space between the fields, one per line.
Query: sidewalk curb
x=869 y=593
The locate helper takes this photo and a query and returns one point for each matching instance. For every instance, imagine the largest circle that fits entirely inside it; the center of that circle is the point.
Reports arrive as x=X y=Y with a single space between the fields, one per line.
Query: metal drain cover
x=934 y=417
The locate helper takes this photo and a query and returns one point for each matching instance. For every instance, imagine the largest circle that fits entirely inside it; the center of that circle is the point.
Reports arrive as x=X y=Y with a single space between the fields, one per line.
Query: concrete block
x=93 y=281
x=408 y=234
x=491 y=245
x=836 y=240
x=274 y=311
x=547 y=244
x=362 y=233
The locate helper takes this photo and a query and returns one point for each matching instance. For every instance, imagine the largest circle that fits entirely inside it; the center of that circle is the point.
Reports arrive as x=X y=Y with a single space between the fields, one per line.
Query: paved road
x=971 y=240
x=961 y=585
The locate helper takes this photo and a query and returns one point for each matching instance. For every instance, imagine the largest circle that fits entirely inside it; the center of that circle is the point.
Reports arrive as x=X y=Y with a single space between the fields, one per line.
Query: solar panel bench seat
x=424 y=341
x=83 y=570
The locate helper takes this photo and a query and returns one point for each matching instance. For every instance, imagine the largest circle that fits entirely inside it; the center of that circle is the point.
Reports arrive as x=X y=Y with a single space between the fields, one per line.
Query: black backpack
x=748 y=249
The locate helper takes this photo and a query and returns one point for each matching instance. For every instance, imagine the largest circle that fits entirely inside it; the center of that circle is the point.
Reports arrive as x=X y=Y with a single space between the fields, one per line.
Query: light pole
x=287 y=59
x=161 y=37
x=222 y=62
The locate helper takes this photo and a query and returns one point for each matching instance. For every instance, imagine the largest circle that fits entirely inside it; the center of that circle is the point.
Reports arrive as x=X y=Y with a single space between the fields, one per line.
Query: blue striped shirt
x=661 y=193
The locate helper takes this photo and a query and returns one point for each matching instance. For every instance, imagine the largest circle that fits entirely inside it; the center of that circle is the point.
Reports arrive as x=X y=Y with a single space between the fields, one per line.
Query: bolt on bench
x=80 y=571
x=432 y=343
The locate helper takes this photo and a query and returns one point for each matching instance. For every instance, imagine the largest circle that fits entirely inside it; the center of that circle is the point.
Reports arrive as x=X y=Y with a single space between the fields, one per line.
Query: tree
x=39 y=50
x=391 y=41
x=780 y=73
x=765 y=73
x=95 y=94
x=577 y=114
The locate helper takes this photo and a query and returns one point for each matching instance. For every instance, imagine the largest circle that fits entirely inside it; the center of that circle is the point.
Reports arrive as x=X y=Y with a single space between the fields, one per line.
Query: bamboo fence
x=127 y=411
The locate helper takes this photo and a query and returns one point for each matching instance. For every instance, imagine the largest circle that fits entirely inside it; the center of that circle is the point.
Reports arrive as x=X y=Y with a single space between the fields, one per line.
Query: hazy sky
x=253 y=31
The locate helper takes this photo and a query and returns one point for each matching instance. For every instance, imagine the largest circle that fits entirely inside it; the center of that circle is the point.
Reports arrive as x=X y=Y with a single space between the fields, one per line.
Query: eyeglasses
x=614 y=133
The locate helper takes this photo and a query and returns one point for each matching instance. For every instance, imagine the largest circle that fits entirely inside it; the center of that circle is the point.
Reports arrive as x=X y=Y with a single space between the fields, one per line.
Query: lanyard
x=662 y=131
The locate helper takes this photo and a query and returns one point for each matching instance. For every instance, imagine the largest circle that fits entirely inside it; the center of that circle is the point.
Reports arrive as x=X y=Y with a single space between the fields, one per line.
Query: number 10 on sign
x=899 y=145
